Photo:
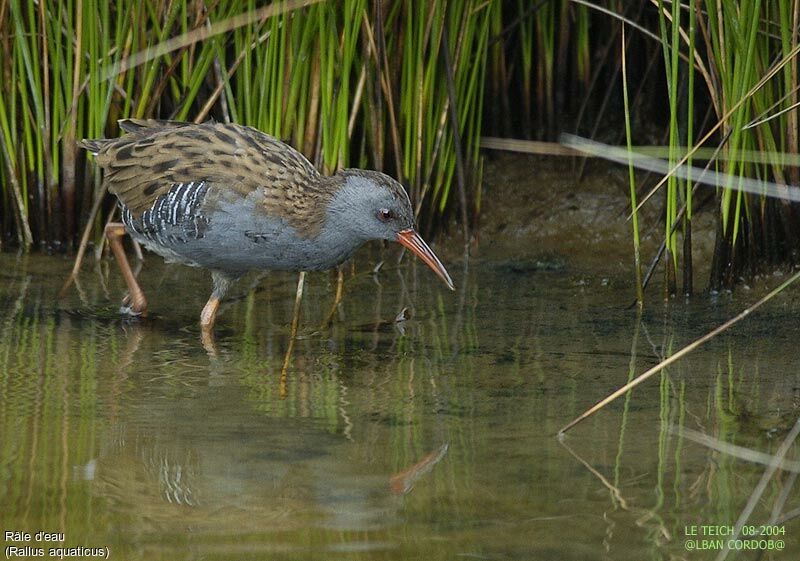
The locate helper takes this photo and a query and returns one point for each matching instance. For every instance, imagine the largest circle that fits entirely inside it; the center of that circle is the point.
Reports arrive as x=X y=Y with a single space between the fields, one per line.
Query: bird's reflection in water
x=203 y=455
x=228 y=467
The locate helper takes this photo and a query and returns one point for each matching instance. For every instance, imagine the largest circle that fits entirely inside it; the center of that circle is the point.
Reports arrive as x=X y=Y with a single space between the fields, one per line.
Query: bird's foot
x=134 y=307
x=209 y=341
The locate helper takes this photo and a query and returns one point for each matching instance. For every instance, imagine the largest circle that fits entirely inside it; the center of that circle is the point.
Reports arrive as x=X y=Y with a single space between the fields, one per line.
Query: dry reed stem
x=761 y=487
x=768 y=76
x=680 y=354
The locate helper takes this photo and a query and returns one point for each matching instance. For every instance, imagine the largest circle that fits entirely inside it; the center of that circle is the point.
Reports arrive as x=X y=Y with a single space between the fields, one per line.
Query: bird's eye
x=384 y=215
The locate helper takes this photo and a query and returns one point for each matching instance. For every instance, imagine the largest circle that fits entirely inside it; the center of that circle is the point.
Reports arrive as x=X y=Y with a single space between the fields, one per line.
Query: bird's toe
x=133 y=307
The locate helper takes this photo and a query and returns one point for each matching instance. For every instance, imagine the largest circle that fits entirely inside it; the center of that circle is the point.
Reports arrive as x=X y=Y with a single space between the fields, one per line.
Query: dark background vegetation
x=412 y=88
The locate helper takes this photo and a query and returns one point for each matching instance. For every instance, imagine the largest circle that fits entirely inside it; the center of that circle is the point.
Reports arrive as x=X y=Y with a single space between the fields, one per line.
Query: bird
x=232 y=199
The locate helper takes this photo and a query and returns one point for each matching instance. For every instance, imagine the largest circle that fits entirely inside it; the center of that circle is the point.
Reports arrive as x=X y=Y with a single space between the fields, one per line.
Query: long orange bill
x=413 y=241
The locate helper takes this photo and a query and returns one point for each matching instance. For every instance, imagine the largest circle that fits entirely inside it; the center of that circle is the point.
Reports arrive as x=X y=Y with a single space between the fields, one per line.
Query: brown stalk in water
x=757 y=493
x=680 y=354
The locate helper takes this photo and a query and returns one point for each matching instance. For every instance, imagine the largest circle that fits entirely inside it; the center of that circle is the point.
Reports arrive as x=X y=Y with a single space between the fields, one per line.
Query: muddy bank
x=536 y=210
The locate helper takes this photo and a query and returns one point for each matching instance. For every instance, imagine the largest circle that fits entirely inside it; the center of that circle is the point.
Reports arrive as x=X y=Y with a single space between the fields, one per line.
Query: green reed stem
x=637 y=260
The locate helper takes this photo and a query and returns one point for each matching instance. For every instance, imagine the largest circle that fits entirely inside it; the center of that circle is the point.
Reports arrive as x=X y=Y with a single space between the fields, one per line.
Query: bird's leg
x=338 y=298
x=137 y=268
x=402 y=482
x=209 y=314
x=114 y=232
x=298 y=298
x=137 y=248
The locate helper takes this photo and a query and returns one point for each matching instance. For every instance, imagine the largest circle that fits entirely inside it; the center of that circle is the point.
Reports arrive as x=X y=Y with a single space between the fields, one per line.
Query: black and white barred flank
x=175 y=217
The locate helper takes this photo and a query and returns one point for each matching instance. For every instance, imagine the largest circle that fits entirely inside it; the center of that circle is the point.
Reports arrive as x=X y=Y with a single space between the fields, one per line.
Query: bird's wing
x=234 y=160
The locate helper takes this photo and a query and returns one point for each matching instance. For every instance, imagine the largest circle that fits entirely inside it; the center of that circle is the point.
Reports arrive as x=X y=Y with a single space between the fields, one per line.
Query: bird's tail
x=133 y=125
x=93 y=145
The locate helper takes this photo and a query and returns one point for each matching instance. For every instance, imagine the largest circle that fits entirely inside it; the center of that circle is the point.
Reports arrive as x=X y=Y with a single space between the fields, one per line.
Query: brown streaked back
x=154 y=156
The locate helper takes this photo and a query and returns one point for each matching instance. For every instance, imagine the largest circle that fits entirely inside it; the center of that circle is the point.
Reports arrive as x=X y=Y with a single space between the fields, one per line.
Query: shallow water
x=429 y=439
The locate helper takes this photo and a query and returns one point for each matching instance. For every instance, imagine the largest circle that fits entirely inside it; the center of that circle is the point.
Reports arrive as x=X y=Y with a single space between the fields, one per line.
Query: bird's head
x=376 y=207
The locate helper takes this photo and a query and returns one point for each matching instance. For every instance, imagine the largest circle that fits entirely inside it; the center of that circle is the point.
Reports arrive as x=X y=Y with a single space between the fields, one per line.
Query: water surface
x=429 y=439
